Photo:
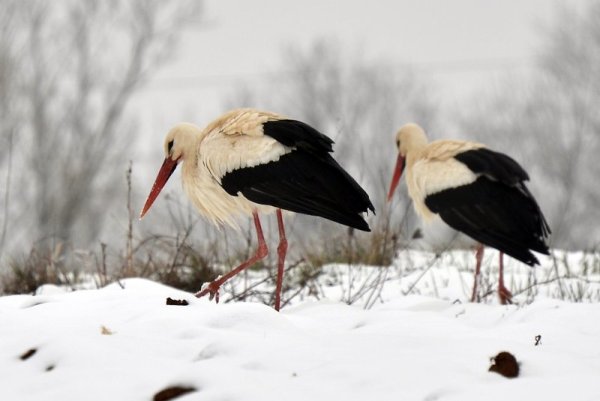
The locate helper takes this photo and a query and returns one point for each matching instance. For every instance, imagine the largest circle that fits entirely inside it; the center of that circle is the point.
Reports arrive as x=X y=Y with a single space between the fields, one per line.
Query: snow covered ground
x=125 y=343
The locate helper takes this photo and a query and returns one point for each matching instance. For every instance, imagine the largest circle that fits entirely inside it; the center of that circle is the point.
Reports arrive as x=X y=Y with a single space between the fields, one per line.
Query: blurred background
x=88 y=89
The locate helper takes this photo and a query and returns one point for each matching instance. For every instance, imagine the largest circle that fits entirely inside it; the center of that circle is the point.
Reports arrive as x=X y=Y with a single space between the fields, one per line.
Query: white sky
x=464 y=45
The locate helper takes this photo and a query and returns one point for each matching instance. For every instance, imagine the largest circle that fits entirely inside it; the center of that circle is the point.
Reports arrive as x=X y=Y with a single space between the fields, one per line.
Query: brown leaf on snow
x=105 y=331
x=505 y=364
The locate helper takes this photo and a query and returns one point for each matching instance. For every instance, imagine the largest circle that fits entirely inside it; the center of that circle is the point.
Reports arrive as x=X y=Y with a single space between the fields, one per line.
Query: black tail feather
x=304 y=183
x=498 y=215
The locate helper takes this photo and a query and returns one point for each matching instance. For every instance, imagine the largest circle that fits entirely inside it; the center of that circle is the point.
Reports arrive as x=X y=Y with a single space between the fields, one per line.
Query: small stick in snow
x=28 y=354
x=170 y=393
x=178 y=302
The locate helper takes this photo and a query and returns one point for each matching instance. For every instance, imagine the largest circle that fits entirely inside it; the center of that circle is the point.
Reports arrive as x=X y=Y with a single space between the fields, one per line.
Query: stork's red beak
x=167 y=168
x=396 y=178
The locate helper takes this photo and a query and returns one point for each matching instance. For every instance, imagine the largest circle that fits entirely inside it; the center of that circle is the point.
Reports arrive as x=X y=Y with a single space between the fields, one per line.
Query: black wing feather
x=297 y=134
x=497 y=209
x=494 y=165
x=306 y=180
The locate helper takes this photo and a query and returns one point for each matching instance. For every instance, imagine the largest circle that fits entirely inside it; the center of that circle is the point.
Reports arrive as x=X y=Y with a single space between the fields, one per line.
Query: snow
x=123 y=342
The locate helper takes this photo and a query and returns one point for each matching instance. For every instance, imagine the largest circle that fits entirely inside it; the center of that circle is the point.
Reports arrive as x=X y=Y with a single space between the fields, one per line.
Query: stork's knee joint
x=283 y=246
x=262 y=251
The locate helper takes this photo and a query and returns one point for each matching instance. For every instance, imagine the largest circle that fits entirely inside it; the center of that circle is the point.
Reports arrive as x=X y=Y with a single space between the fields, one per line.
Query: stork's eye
x=170 y=146
x=398 y=143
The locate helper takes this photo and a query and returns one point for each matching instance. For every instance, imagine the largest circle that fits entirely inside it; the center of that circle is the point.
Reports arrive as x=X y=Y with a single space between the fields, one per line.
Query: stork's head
x=408 y=138
x=179 y=145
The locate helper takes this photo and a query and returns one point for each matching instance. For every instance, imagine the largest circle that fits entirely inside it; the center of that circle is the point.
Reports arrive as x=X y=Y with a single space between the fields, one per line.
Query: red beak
x=396 y=178
x=167 y=168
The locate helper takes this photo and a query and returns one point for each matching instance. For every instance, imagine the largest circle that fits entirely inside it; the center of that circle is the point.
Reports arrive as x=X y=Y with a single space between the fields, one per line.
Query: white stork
x=476 y=191
x=249 y=161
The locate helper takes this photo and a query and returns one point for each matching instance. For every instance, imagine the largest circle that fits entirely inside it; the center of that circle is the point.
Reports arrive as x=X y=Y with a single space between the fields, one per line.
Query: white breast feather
x=430 y=176
x=219 y=154
x=222 y=154
x=213 y=202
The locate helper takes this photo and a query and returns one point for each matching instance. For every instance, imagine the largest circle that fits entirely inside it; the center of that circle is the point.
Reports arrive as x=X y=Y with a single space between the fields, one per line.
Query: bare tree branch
x=550 y=124
x=79 y=63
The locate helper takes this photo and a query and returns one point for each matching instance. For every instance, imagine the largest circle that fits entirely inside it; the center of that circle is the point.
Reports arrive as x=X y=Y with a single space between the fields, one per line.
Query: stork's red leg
x=261 y=252
x=478 y=257
x=503 y=293
x=281 y=251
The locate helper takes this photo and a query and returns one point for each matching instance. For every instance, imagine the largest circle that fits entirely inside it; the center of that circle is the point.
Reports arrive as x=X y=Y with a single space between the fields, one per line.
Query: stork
x=248 y=162
x=475 y=190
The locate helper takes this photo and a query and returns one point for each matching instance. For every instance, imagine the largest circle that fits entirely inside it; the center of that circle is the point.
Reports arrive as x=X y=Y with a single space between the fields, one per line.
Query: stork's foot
x=212 y=290
x=505 y=295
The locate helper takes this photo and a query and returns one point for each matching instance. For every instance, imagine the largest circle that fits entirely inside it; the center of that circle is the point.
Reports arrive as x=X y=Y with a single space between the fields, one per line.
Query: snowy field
x=409 y=334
